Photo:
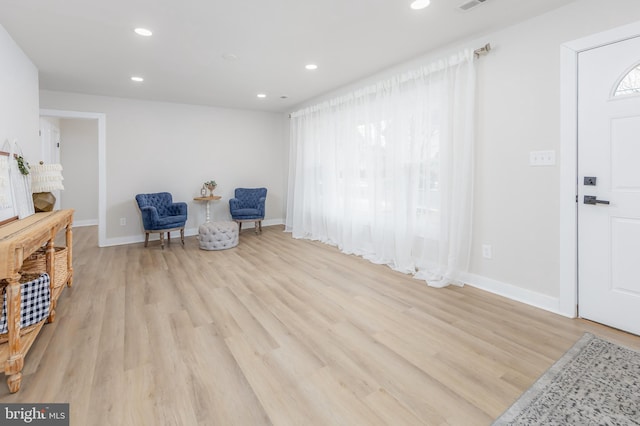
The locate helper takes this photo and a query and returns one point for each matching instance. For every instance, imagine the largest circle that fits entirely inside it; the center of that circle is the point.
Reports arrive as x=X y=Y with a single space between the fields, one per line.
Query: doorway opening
x=76 y=123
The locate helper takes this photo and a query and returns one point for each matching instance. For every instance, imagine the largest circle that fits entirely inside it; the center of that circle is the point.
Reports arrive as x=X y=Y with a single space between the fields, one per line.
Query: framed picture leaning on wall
x=16 y=190
x=7 y=207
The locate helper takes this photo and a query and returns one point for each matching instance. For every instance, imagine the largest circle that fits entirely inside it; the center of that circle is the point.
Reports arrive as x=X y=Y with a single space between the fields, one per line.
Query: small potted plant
x=211 y=186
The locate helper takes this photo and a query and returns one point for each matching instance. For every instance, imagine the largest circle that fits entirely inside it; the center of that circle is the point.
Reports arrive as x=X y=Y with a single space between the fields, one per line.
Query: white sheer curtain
x=386 y=172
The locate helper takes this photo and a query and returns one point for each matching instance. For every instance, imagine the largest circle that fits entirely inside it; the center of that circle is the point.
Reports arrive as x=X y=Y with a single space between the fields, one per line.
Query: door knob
x=590 y=199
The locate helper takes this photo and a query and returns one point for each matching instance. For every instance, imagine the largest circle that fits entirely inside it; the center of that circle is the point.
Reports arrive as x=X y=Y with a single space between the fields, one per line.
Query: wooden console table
x=18 y=240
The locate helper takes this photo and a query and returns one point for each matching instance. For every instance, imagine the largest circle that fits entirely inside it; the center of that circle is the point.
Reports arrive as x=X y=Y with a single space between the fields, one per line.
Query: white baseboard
x=542 y=301
x=188 y=232
x=270 y=222
x=134 y=239
x=88 y=222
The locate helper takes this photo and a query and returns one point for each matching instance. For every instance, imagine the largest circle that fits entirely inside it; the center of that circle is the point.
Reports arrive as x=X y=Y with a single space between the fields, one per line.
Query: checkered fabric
x=35 y=298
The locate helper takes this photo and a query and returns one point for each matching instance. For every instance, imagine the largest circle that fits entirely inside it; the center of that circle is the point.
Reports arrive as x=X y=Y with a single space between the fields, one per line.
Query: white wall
x=18 y=98
x=518 y=206
x=518 y=110
x=79 y=157
x=157 y=146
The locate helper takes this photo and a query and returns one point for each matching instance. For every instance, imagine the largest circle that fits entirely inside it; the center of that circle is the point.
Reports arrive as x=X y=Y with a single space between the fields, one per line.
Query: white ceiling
x=89 y=46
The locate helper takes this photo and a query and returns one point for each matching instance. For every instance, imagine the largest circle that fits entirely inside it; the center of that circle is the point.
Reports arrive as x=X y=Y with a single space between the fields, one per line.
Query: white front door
x=609 y=185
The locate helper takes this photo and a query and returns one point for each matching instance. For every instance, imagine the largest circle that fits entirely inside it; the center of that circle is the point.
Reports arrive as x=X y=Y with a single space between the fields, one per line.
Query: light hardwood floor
x=284 y=332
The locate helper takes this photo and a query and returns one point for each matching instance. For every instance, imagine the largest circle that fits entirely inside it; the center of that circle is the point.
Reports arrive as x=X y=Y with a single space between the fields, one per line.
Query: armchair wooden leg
x=169 y=237
x=239 y=227
x=260 y=225
x=182 y=235
x=146 y=238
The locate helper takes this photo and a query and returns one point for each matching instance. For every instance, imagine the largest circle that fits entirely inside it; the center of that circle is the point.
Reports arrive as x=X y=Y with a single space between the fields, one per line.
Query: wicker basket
x=37 y=264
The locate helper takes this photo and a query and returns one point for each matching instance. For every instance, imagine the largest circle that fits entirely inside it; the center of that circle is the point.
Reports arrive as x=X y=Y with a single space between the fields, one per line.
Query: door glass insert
x=630 y=84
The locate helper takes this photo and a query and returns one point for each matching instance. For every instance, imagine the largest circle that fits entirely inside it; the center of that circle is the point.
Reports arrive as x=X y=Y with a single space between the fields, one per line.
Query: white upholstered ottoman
x=218 y=235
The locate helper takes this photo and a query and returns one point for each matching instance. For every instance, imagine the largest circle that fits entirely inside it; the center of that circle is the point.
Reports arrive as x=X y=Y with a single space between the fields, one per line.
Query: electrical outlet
x=123 y=221
x=487 y=252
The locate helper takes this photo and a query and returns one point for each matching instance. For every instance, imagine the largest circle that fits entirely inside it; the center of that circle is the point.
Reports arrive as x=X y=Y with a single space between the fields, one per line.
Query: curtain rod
x=484 y=50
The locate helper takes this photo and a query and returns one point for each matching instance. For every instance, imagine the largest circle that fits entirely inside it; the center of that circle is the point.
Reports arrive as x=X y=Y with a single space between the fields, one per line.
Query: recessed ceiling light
x=138 y=79
x=143 y=32
x=311 y=66
x=261 y=95
x=420 y=4
x=229 y=57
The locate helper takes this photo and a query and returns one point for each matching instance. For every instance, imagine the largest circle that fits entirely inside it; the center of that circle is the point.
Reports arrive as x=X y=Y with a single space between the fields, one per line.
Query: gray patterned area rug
x=595 y=383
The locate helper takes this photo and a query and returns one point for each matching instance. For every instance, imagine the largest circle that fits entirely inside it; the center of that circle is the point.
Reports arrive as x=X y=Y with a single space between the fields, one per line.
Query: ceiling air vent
x=470 y=4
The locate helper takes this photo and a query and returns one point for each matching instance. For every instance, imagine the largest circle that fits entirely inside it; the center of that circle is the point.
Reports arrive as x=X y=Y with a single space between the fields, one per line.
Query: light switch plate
x=542 y=158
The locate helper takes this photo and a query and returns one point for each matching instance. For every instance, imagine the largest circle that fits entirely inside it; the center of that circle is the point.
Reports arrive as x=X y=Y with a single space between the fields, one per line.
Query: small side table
x=207 y=200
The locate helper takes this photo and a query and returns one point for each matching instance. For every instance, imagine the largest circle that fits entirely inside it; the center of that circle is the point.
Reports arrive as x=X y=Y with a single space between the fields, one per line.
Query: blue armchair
x=248 y=206
x=160 y=214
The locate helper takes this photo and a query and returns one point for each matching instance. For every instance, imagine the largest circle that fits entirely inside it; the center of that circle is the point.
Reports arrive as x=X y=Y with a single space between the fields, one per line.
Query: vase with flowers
x=211 y=186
